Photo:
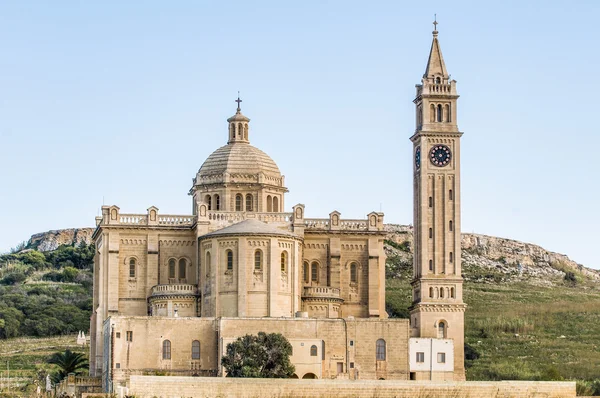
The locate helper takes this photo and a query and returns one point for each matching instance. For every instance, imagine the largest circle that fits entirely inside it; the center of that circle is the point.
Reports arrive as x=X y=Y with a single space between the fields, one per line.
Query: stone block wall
x=189 y=387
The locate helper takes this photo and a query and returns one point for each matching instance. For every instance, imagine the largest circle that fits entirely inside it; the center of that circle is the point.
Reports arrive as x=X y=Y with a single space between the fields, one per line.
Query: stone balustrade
x=178 y=289
x=135 y=219
x=344 y=225
x=237 y=216
x=175 y=220
x=321 y=292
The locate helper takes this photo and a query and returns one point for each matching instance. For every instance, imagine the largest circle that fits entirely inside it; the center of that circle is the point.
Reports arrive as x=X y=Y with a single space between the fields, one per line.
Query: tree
x=265 y=355
x=67 y=362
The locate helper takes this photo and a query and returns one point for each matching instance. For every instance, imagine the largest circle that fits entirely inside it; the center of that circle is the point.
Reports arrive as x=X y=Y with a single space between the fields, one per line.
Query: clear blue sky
x=124 y=100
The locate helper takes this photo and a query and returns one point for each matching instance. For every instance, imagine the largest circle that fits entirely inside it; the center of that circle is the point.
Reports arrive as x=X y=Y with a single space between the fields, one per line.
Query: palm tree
x=67 y=362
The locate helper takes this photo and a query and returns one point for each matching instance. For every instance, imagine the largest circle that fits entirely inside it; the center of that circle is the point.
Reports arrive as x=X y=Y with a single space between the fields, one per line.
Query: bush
x=13 y=278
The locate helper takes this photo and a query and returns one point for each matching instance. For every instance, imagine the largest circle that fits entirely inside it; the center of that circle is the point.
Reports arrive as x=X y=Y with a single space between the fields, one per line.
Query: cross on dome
x=238 y=100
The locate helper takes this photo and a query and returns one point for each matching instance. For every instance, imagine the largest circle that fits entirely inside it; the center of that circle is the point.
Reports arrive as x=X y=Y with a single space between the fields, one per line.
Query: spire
x=238 y=125
x=435 y=65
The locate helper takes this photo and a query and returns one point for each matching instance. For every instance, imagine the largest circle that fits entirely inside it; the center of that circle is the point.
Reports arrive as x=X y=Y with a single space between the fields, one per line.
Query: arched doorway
x=310 y=376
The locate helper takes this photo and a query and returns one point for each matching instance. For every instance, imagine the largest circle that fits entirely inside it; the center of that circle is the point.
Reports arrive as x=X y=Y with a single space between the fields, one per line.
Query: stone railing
x=163 y=219
x=344 y=225
x=237 y=216
x=439 y=88
x=175 y=220
x=316 y=223
x=135 y=219
x=321 y=292
x=165 y=290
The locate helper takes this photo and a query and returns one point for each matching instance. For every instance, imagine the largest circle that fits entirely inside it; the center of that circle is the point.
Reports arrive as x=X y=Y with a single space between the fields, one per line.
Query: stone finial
x=334 y=220
x=152 y=215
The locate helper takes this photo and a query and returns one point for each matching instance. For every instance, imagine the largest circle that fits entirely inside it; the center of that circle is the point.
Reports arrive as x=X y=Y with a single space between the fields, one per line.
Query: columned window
x=132 y=268
x=258 y=259
x=380 y=350
x=172 y=268
x=353 y=273
x=238 y=202
x=182 y=266
x=166 y=354
x=284 y=261
x=229 y=260
x=195 y=349
x=314 y=272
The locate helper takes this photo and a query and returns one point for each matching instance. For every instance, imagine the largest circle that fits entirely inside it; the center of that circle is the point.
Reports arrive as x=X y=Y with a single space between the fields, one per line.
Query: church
x=171 y=291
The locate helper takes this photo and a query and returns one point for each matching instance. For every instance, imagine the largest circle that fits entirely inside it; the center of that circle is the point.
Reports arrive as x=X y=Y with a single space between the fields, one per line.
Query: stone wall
x=190 y=387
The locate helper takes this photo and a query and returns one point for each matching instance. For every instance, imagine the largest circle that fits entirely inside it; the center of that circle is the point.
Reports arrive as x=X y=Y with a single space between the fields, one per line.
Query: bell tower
x=438 y=310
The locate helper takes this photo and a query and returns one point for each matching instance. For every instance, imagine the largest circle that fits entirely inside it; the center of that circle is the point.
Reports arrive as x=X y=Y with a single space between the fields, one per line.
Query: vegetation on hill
x=46 y=294
x=519 y=327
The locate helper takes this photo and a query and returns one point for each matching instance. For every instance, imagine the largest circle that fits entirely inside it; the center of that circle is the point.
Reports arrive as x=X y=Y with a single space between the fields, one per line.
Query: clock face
x=440 y=155
x=418 y=158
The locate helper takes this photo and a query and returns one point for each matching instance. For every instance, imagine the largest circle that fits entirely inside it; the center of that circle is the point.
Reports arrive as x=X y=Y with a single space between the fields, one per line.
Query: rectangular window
x=441 y=357
x=351 y=343
x=118 y=365
x=129 y=335
x=118 y=335
x=340 y=367
x=351 y=365
x=420 y=357
x=431 y=201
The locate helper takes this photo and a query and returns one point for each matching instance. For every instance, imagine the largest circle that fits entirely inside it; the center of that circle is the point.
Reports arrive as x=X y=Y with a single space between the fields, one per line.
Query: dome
x=250 y=227
x=238 y=158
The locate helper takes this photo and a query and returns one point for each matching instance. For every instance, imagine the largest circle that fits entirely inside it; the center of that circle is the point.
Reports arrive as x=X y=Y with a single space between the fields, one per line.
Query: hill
x=532 y=314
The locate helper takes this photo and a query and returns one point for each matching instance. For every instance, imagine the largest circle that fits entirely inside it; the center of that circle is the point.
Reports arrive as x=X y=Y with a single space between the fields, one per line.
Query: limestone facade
x=170 y=291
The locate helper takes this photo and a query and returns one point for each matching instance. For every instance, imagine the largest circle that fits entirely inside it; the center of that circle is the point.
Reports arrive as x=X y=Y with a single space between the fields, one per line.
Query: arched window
x=450 y=195
x=450 y=225
x=441 y=330
x=442 y=293
x=275 y=204
x=166 y=349
x=132 y=267
x=430 y=265
x=306 y=272
x=232 y=130
x=432 y=113
x=430 y=292
x=284 y=261
x=238 y=202
x=447 y=112
x=380 y=350
x=172 y=268
x=229 y=260
x=452 y=292
x=207 y=265
x=313 y=351
x=182 y=264
x=438 y=80
x=353 y=273
x=430 y=233
x=258 y=260
x=439 y=112
x=314 y=272
x=248 y=202
x=209 y=202
x=195 y=349
x=217 y=202
x=269 y=203
x=246 y=131
x=239 y=130
x=451 y=257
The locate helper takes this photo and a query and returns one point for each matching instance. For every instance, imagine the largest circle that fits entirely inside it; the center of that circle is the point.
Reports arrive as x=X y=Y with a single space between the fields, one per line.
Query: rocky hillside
x=496 y=259
x=51 y=240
